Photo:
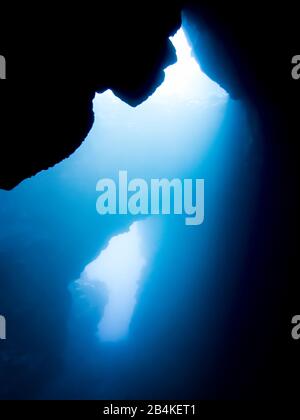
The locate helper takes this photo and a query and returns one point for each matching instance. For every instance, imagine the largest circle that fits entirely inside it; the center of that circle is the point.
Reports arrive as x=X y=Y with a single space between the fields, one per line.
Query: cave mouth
x=160 y=138
x=117 y=271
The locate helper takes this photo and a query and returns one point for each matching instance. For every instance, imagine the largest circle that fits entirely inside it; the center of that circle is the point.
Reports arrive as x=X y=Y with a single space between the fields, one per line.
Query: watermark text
x=296 y=328
x=158 y=196
x=2 y=328
x=296 y=68
x=2 y=67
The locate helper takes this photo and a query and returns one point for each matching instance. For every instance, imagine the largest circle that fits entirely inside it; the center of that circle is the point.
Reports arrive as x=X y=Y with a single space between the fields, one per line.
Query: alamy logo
x=296 y=68
x=296 y=328
x=161 y=196
x=2 y=328
x=2 y=67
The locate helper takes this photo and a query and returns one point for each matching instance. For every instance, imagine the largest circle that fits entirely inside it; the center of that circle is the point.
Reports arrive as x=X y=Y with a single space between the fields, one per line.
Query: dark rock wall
x=58 y=59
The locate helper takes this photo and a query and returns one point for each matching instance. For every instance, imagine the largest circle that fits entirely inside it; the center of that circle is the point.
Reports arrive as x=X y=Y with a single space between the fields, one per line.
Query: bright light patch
x=171 y=130
x=118 y=268
x=185 y=80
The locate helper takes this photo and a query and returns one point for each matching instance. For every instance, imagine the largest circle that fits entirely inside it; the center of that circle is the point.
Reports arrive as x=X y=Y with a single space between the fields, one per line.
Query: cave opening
x=188 y=128
x=162 y=138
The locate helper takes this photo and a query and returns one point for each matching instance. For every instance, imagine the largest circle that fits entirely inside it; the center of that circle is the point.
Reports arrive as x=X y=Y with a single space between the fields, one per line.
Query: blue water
x=97 y=310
